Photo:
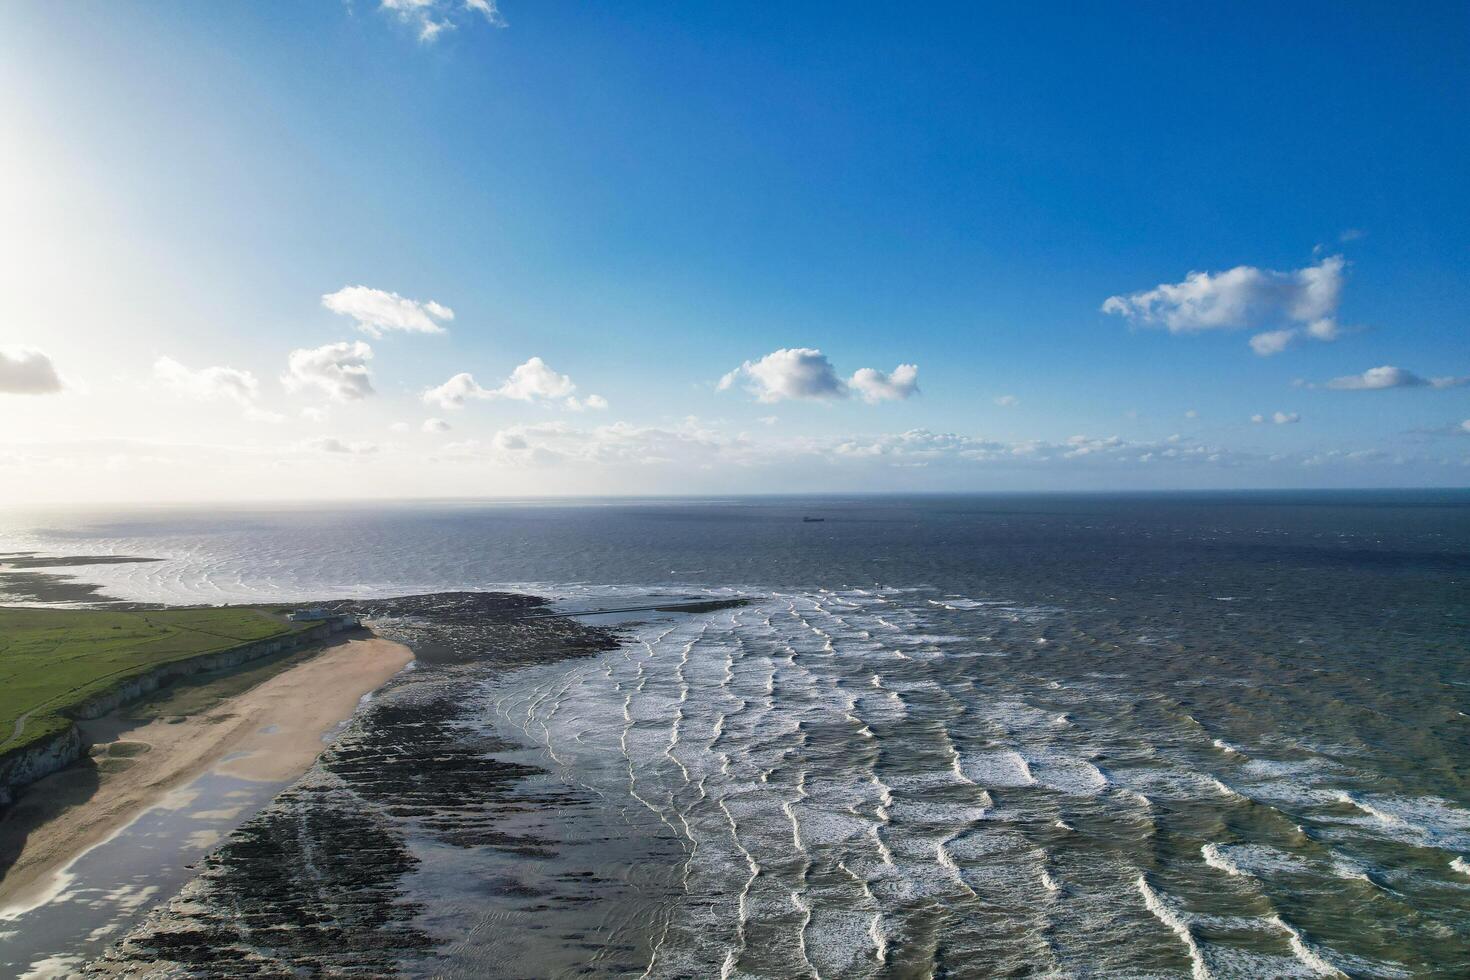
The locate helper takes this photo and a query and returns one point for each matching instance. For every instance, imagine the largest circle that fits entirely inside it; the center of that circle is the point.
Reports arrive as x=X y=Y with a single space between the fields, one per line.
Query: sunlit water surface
x=1173 y=735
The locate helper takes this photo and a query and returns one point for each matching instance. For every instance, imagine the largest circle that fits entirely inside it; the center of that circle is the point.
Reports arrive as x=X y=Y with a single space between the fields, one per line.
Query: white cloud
x=456 y=391
x=694 y=446
x=1192 y=414
x=1388 y=376
x=529 y=382
x=535 y=379
x=207 y=383
x=1007 y=401
x=27 y=371
x=1277 y=418
x=378 y=312
x=430 y=18
x=874 y=386
x=795 y=373
x=436 y=425
x=1325 y=328
x=788 y=373
x=338 y=446
x=595 y=403
x=615 y=444
x=1296 y=305
x=338 y=370
x=1465 y=426
x=1272 y=342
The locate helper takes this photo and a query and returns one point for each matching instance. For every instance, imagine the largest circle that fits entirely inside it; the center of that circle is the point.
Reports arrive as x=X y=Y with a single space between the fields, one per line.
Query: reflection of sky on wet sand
x=113 y=884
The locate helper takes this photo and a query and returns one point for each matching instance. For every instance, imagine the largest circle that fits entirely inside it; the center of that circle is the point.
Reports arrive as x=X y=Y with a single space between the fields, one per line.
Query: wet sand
x=271 y=732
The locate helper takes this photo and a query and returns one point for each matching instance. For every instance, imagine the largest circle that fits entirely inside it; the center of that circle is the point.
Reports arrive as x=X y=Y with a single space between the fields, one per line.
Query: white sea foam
x=1170 y=917
x=1253 y=860
x=1074 y=777
x=780 y=743
x=1003 y=768
x=1304 y=953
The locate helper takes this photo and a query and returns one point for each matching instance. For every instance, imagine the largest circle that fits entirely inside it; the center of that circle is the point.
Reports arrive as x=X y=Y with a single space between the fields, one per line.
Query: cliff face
x=21 y=766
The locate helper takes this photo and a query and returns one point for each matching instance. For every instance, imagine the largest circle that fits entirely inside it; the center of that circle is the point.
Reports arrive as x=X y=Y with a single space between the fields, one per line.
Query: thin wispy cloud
x=1388 y=376
x=214 y=384
x=377 y=311
x=339 y=447
x=1287 y=307
x=430 y=18
x=206 y=383
x=1277 y=418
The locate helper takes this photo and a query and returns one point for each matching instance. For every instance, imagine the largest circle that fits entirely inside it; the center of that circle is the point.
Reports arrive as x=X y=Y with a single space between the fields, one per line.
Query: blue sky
x=648 y=196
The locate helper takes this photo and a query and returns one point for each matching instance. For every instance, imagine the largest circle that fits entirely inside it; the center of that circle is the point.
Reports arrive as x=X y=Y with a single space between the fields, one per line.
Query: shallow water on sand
x=104 y=890
x=1207 y=736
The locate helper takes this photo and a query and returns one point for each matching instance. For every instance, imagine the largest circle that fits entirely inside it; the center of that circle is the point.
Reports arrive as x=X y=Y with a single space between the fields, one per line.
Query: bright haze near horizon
x=425 y=248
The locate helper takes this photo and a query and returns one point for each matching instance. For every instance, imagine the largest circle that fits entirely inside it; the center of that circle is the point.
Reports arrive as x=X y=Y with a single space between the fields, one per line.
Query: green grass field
x=51 y=659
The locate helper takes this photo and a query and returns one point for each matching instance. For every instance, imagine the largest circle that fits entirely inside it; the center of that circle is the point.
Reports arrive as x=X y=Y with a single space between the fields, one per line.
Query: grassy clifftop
x=53 y=659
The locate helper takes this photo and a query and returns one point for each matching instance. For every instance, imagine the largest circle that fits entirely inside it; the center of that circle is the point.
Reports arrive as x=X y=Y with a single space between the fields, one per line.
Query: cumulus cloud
x=377 y=311
x=533 y=381
x=1007 y=401
x=1388 y=376
x=339 y=371
x=27 y=371
x=1277 y=418
x=436 y=425
x=1297 y=305
x=338 y=446
x=874 y=386
x=207 y=383
x=795 y=373
x=788 y=373
x=430 y=18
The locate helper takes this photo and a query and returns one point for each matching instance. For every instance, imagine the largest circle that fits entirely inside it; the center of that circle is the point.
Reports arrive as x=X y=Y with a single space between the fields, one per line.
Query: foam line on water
x=1304 y=953
x=1161 y=910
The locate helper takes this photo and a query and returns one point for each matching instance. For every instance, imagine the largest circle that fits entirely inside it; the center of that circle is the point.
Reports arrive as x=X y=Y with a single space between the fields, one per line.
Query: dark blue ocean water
x=1154 y=734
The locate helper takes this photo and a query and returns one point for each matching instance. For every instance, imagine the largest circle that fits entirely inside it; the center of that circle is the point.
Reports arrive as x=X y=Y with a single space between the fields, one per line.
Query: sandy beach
x=271 y=732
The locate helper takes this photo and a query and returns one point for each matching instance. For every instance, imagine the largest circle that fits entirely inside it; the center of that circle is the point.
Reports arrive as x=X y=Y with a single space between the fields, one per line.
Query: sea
x=1148 y=735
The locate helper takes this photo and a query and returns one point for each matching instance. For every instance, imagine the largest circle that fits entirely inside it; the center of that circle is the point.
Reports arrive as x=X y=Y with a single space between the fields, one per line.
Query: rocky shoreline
x=314 y=883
